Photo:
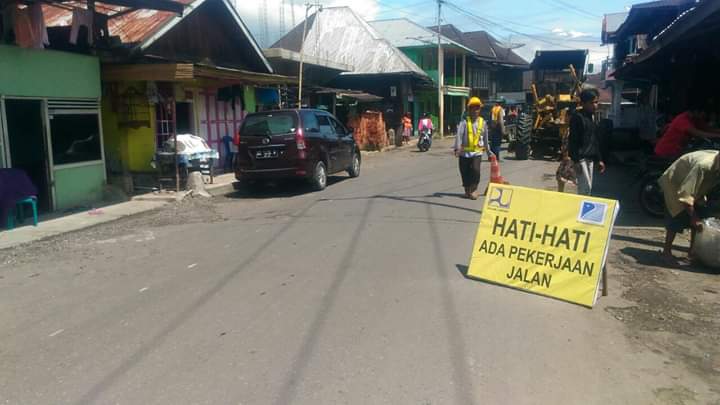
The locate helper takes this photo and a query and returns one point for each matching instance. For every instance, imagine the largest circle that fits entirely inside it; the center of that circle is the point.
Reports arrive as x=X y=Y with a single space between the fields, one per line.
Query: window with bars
x=479 y=79
x=165 y=120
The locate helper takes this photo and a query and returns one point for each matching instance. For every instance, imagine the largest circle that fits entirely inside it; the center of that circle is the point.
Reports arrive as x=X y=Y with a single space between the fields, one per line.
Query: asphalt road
x=353 y=295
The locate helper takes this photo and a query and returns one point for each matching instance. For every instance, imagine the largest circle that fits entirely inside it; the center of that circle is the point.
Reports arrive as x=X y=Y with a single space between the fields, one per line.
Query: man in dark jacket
x=584 y=146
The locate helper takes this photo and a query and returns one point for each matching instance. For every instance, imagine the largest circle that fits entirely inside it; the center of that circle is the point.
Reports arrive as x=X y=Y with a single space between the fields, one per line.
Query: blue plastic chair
x=19 y=211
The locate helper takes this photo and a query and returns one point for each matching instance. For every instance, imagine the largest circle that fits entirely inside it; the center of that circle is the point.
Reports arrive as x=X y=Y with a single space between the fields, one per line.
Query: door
x=28 y=145
x=331 y=140
x=346 y=144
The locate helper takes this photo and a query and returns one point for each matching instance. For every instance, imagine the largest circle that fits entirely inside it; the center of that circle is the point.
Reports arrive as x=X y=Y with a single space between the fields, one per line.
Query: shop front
x=147 y=105
x=50 y=124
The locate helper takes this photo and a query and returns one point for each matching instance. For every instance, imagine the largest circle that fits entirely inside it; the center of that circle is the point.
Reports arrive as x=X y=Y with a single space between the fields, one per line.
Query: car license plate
x=266 y=154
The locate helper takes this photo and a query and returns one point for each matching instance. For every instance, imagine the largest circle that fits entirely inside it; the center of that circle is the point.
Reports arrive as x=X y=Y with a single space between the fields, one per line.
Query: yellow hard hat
x=475 y=101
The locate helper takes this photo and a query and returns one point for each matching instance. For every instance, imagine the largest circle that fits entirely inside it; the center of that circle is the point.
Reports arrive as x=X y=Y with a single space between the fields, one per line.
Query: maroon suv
x=300 y=143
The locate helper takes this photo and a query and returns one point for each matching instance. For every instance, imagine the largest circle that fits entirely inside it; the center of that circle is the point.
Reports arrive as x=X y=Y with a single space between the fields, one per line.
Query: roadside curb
x=75 y=222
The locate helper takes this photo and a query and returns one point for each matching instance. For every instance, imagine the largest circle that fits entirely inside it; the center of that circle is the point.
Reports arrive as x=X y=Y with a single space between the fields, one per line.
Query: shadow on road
x=277 y=189
x=652 y=258
x=463 y=269
x=648 y=242
x=620 y=183
x=413 y=199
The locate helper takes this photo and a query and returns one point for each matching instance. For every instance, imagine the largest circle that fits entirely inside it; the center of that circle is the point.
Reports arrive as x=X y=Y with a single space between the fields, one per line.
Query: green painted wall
x=250 y=100
x=44 y=73
x=78 y=186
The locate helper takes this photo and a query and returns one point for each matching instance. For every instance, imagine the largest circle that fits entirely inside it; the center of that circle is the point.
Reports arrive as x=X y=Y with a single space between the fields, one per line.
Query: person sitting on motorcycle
x=685 y=186
x=425 y=123
x=690 y=124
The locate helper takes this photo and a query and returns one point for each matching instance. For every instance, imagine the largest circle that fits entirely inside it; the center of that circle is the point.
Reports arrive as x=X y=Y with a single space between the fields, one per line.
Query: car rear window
x=269 y=124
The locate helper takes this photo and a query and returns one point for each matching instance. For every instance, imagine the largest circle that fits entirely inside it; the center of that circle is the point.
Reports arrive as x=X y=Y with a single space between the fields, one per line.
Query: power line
x=577 y=10
x=401 y=10
x=485 y=23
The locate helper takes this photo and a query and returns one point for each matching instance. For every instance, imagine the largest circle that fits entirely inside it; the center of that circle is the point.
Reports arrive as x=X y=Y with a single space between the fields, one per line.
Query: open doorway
x=183 y=111
x=28 y=146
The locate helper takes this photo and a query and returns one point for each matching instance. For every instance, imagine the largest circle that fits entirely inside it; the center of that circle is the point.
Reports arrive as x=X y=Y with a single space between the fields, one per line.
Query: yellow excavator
x=555 y=90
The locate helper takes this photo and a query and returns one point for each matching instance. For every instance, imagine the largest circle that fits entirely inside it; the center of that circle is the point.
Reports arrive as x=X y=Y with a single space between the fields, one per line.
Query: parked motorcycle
x=650 y=194
x=425 y=140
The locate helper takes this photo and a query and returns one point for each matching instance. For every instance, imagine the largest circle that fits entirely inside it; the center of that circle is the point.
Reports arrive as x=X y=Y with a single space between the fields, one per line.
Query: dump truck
x=557 y=79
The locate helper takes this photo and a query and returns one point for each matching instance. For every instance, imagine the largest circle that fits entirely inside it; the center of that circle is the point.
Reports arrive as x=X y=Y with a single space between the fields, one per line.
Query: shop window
x=75 y=138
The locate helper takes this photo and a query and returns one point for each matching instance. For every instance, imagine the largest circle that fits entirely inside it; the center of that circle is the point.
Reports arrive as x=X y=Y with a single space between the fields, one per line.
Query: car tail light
x=300 y=139
x=236 y=138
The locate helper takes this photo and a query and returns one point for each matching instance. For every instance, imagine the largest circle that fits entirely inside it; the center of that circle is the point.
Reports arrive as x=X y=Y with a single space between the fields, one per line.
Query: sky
x=529 y=25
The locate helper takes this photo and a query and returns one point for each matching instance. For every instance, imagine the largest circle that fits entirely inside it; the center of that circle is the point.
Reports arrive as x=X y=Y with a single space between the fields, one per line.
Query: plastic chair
x=20 y=212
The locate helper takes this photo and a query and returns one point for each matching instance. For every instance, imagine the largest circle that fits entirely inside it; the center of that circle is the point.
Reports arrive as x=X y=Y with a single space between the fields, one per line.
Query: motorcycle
x=424 y=140
x=650 y=195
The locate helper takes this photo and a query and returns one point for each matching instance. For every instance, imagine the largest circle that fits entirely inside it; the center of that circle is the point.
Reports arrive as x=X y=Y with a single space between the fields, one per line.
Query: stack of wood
x=369 y=130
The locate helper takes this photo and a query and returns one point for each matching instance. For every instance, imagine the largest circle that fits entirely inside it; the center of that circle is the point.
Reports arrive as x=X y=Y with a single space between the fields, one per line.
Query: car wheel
x=319 y=178
x=354 y=170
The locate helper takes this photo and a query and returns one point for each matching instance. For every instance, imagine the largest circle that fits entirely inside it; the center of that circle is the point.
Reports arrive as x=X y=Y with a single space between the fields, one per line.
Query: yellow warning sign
x=545 y=242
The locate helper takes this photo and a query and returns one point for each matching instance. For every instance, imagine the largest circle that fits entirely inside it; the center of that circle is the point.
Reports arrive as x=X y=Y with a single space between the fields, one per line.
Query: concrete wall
x=78 y=186
x=250 y=100
x=43 y=73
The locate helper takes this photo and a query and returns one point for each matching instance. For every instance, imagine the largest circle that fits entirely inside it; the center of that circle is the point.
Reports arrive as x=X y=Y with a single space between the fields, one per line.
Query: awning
x=456 y=91
x=354 y=94
x=683 y=33
x=180 y=72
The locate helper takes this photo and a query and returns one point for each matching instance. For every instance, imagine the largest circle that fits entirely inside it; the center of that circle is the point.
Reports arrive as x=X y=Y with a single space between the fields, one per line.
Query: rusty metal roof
x=133 y=27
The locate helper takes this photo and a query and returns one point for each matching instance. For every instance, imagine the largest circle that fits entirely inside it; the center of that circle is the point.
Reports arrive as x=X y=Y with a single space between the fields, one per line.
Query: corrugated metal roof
x=484 y=45
x=338 y=34
x=404 y=33
x=133 y=27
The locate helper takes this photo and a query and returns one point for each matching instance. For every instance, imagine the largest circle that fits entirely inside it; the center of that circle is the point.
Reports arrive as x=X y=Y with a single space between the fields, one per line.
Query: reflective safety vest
x=473 y=137
x=496 y=111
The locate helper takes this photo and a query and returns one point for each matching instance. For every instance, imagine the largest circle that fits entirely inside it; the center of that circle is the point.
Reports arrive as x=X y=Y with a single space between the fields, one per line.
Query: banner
x=549 y=243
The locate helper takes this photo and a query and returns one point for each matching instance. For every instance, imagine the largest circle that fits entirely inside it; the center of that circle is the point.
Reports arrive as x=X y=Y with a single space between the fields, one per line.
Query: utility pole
x=441 y=74
x=283 y=27
x=264 y=33
x=302 y=45
x=308 y=6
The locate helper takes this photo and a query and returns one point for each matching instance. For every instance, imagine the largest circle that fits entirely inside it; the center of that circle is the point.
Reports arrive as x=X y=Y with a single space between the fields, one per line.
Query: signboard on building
x=544 y=242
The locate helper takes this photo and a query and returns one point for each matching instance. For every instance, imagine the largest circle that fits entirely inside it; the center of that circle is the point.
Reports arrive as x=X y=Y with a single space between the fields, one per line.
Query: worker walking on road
x=497 y=129
x=584 y=142
x=471 y=141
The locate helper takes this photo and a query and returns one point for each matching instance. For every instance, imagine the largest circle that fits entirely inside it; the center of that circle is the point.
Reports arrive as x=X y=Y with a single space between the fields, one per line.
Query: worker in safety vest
x=497 y=128
x=471 y=141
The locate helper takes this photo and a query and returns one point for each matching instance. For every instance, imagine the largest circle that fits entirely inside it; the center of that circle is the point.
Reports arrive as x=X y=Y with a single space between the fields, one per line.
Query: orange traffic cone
x=495 y=176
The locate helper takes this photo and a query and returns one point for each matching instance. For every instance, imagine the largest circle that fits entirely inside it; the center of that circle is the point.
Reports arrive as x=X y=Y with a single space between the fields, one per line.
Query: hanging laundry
x=30 y=30
x=81 y=18
x=38 y=23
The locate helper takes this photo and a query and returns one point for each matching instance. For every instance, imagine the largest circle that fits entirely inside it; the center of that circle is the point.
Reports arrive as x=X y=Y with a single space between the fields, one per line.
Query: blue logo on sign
x=592 y=212
x=500 y=198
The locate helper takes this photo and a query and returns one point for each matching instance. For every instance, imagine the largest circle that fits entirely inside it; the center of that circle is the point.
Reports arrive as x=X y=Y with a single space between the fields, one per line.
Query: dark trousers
x=495 y=141
x=470 y=171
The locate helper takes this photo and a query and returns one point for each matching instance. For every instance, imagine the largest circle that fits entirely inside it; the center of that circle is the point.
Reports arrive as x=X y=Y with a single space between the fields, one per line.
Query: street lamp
x=308 y=6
